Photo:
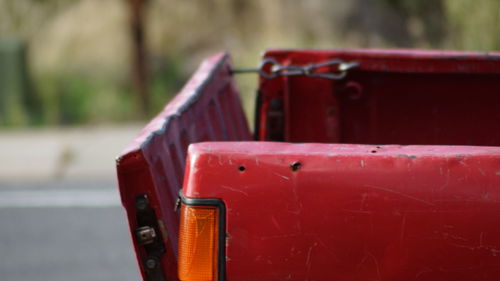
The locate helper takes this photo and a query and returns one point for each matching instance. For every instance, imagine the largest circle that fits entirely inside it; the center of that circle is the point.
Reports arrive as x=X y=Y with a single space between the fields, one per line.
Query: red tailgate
x=151 y=169
x=353 y=212
x=392 y=97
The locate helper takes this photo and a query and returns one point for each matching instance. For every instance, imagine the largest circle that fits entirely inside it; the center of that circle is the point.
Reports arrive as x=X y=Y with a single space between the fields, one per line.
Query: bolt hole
x=373 y=151
x=295 y=166
x=241 y=168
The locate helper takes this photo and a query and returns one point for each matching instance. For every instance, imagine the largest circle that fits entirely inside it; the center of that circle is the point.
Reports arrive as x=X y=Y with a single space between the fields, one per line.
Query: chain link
x=270 y=68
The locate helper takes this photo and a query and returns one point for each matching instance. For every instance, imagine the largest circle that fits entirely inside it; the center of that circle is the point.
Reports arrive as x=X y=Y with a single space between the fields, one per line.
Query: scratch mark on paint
x=299 y=209
x=234 y=189
x=363 y=200
x=282 y=176
x=275 y=222
x=403 y=226
x=376 y=264
x=407 y=156
x=308 y=259
x=447 y=180
x=279 y=236
x=485 y=196
x=492 y=249
x=453 y=236
x=357 y=211
x=298 y=224
x=362 y=163
x=425 y=270
x=400 y=194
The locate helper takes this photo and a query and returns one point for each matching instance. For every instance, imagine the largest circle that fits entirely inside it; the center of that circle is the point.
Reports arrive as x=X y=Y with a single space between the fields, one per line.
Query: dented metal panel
x=151 y=169
x=353 y=212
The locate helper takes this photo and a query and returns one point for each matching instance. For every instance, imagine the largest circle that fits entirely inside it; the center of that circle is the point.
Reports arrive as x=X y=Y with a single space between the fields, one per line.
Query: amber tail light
x=198 y=243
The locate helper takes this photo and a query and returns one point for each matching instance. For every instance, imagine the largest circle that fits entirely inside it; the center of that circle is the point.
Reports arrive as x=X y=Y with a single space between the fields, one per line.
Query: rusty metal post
x=139 y=53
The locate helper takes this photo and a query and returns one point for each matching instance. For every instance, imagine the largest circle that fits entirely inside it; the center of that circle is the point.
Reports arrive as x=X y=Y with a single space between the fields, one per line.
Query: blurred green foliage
x=19 y=103
x=72 y=60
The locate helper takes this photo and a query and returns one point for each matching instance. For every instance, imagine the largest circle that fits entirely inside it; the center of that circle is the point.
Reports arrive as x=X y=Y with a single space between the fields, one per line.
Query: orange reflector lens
x=198 y=243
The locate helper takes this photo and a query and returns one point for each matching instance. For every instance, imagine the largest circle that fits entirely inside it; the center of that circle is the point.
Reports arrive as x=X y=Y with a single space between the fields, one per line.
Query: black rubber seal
x=221 y=259
x=258 y=106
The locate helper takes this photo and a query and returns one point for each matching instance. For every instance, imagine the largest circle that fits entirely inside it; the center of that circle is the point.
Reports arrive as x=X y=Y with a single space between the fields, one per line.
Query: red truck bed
x=389 y=173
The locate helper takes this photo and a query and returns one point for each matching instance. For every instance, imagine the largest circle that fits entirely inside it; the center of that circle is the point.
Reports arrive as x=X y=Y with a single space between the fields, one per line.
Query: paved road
x=53 y=231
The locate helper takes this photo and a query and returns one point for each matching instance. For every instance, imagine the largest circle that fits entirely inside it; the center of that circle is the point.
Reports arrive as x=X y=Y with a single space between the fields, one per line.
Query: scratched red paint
x=348 y=213
x=425 y=211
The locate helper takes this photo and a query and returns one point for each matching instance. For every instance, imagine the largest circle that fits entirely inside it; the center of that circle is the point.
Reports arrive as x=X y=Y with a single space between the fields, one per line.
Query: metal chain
x=270 y=68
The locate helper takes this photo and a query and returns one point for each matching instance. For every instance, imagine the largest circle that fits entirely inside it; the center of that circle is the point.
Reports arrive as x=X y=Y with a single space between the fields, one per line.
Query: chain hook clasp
x=270 y=68
x=343 y=67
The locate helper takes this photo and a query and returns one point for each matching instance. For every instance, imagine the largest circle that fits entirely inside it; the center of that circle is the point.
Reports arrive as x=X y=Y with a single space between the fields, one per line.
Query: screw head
x=150 y=263
x=141 y=203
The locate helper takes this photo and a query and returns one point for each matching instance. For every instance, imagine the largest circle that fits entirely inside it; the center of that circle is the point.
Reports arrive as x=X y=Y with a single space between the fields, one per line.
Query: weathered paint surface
x=353 y=212
x=208 y=108
x=332 y=211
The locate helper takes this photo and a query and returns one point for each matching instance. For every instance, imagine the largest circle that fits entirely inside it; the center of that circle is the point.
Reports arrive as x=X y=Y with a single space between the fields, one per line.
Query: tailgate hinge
x=148 y=236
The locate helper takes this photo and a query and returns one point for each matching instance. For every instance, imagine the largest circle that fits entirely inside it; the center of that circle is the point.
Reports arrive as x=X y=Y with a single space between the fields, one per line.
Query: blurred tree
x=139 y=56
x=85 y=54
x=424 y=20
x=19 y=104
x=473 y=25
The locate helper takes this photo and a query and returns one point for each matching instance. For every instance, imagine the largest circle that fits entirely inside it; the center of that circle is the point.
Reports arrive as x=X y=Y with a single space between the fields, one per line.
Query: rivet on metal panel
x=151 y=263
x=353 y=90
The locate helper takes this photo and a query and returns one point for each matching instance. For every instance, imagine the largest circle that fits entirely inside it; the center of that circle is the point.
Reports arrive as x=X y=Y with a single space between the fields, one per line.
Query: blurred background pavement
x=60 y=207
x=75 y=153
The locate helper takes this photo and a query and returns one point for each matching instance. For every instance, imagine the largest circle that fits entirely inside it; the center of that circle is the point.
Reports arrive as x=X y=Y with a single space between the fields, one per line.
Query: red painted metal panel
x=207 y=108
x=353 y=212
x=347 y=212
x=402 y=97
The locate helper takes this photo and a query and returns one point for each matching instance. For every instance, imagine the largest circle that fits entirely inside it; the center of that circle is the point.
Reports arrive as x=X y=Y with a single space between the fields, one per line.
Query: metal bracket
x=148 y=236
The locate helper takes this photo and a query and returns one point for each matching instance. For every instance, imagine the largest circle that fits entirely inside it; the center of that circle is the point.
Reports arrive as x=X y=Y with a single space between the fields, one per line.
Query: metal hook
x=276 y=69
